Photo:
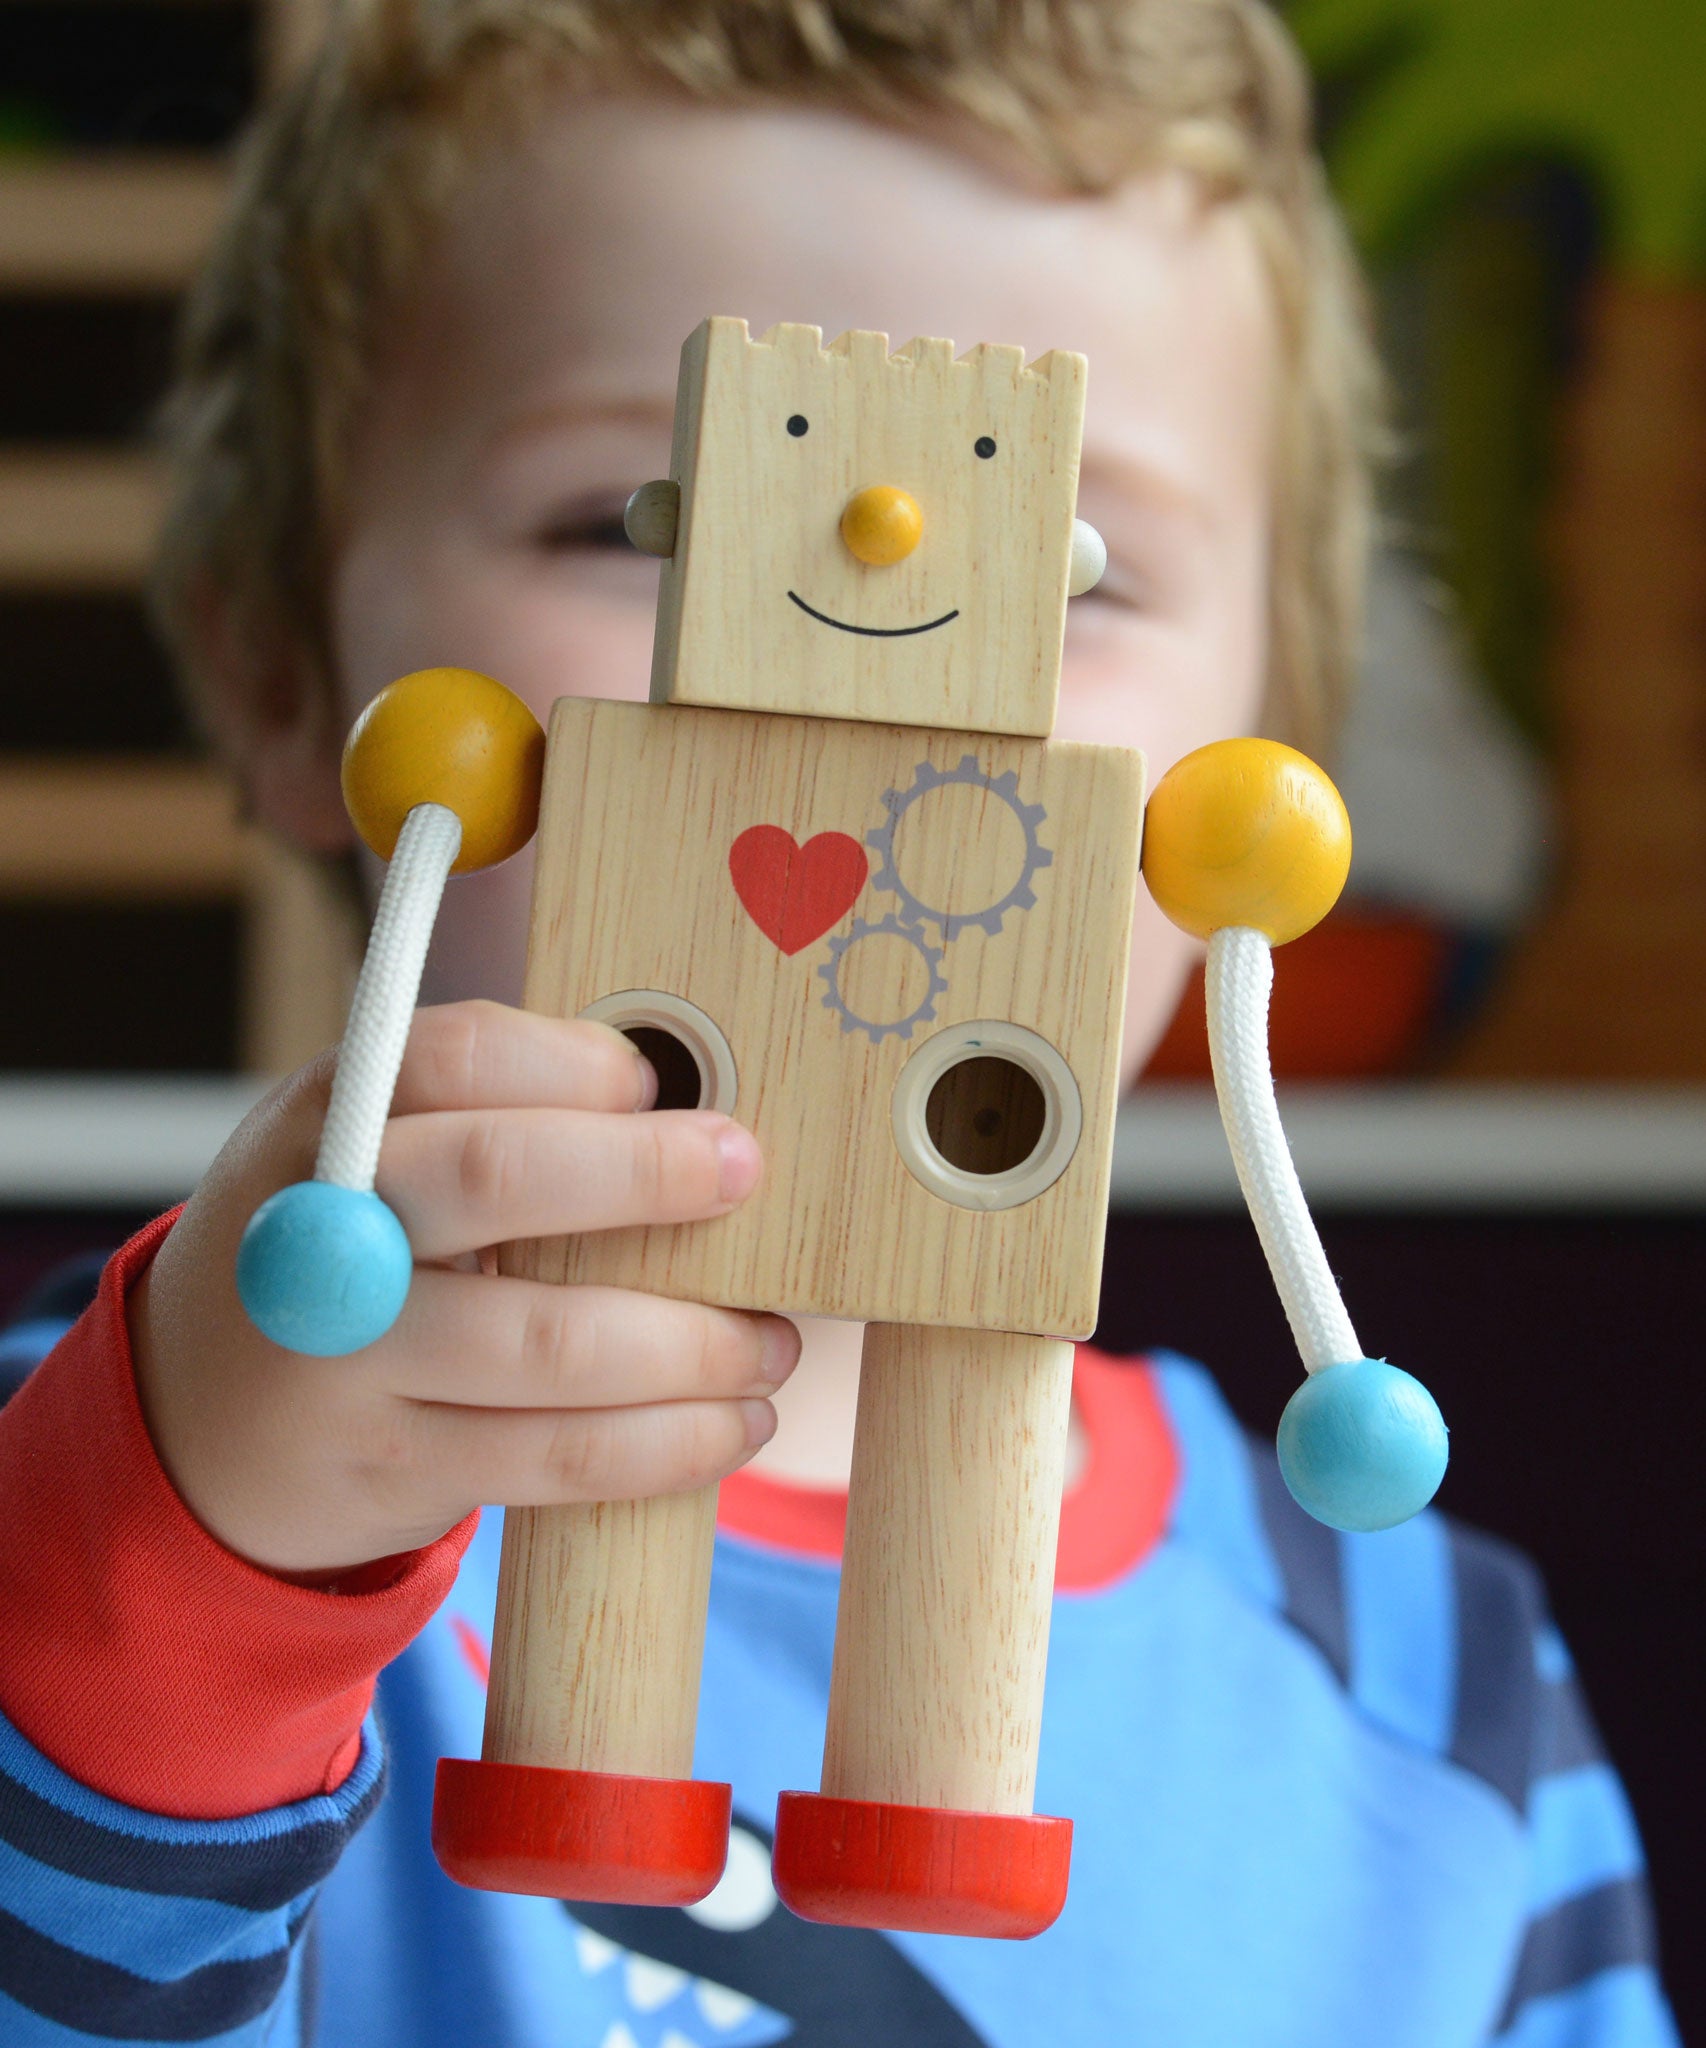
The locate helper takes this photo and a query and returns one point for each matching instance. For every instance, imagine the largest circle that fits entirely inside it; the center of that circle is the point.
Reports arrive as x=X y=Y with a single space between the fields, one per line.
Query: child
x=1326 y=1791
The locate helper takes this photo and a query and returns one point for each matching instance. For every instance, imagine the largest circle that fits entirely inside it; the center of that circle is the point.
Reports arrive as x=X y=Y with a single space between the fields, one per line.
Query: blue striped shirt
x=1326 y=1790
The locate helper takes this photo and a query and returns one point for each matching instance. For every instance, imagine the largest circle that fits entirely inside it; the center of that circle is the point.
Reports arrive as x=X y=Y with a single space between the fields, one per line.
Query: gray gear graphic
x=898 y=802
x=863 y=928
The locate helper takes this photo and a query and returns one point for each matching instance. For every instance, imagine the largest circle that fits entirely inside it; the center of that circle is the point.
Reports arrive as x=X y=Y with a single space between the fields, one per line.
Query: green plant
x=1614 y=87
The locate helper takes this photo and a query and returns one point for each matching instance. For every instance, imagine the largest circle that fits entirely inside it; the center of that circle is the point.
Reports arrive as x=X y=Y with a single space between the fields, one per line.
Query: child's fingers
x=460 y=1179
x=460 y=1056
x=479 y=1055
x=467 y=1341
x=529 y=1458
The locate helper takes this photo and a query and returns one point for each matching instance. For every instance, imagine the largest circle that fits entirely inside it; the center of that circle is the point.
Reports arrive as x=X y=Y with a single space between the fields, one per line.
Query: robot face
x=868 y=536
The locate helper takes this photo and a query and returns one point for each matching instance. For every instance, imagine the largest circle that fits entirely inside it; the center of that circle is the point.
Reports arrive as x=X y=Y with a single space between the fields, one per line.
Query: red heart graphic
x=794 y=893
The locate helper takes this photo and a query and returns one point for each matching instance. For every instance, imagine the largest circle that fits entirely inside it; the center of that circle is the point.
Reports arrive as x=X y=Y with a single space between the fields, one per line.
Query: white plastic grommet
x=643 y=1009
x=1049 y=1113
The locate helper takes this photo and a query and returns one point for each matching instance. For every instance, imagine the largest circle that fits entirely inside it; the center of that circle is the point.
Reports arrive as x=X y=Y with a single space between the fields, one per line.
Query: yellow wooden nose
x=882 y=524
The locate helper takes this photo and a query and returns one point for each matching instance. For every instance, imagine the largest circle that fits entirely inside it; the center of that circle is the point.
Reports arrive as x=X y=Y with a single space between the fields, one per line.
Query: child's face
x=531 y=388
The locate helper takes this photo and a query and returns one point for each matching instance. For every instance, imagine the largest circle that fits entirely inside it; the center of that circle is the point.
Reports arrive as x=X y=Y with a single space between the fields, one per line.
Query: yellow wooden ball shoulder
x=446 y=736
x=1246 y=832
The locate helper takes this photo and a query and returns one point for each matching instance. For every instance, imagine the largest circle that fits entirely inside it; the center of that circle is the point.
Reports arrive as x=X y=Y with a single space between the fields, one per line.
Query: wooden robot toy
x=837 y=880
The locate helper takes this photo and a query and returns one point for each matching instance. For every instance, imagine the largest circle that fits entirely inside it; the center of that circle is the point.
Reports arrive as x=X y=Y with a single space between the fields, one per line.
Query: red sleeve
x=139 y=1654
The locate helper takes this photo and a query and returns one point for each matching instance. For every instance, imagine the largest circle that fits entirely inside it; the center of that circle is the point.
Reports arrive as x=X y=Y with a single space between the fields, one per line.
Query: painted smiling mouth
x=874 y=632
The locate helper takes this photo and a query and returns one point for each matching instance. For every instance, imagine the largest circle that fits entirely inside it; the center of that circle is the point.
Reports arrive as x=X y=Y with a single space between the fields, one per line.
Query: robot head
x=869 y=536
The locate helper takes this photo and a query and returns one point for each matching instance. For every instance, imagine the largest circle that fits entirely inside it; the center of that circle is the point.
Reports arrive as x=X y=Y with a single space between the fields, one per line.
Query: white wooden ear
x=651 y=515
x=1089 y=559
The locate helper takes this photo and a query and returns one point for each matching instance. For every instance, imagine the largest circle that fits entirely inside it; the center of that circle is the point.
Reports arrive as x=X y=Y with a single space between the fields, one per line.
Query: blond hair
x=346 y=175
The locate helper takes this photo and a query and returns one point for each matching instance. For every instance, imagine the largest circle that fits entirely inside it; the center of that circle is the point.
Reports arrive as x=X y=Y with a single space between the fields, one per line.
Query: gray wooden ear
x=651 y=514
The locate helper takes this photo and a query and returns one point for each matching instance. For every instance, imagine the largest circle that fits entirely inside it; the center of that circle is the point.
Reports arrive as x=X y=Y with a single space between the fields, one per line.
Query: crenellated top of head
x=869 y=535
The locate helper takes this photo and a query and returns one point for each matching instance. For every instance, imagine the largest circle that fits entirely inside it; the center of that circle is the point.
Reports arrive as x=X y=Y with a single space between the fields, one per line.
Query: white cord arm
x=385 y=994
x=1240 y=980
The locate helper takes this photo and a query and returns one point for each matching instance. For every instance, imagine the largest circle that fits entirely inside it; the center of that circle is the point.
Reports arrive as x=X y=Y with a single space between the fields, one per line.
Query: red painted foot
x=579 y=1834
x=859 y=1863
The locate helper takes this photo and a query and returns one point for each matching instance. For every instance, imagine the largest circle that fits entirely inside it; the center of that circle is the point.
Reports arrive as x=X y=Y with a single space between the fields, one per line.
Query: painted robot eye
x=984 y=446
x=799 y=423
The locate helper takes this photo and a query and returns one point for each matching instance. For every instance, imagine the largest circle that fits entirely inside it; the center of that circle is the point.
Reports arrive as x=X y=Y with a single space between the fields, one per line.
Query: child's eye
x=983 y=446
x=798 y=424
x=1124 y=588
x=590 y=530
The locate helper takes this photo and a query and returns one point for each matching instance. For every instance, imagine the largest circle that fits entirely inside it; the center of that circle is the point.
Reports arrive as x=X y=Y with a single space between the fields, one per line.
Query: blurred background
x=1494 y=1051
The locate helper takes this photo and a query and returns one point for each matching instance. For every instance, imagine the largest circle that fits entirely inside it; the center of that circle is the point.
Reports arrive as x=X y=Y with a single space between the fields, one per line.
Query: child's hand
x=504 y=1126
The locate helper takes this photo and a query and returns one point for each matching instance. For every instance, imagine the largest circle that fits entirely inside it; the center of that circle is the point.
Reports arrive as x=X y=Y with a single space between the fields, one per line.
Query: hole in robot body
x=694 y=1063
x=681 y=1085
x=987 y=1115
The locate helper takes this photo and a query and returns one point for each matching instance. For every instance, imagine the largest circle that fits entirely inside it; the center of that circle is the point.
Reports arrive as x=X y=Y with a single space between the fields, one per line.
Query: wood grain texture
x=301 y=954
x=642 y=805
x=760 y=519
x=600 y=1634
x=78 y=518
x=107 y=224
x=127 y=831
x=166 y=831
x=953 y=1517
